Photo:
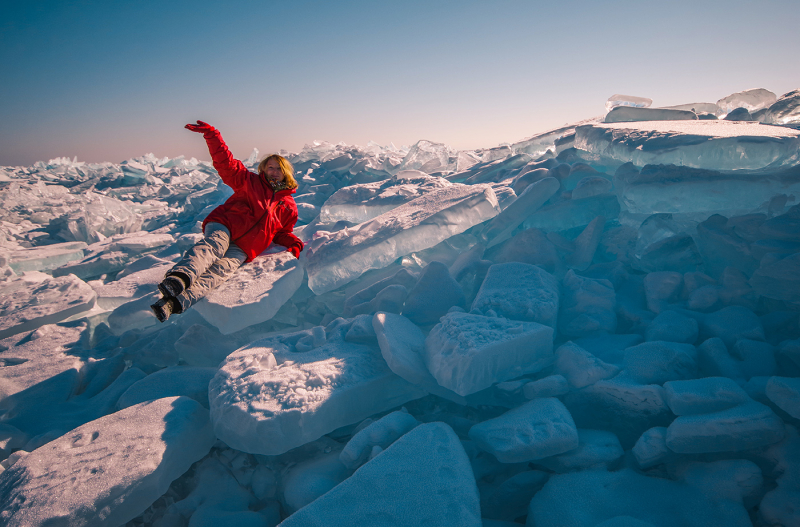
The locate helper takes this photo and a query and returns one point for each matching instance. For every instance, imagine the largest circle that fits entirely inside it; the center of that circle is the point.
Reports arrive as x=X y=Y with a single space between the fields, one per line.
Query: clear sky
x=109 y=80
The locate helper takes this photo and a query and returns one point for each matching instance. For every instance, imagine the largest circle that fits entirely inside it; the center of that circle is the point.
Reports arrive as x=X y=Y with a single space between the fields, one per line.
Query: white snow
x=254 y=293
x=268 y=398
x=36 y=299
x=106 y=472
x=467 y=353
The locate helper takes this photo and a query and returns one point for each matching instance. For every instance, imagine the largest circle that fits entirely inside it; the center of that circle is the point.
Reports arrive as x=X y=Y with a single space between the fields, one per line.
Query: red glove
x=200 y=127
x=295 y=250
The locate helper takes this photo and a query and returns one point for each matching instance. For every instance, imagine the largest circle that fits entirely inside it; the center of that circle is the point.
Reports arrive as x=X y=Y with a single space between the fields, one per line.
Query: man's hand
x=295 y=250
x=200 y=127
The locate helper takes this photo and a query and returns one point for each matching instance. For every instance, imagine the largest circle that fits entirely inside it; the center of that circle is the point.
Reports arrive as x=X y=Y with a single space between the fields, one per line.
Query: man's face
x=273 y=171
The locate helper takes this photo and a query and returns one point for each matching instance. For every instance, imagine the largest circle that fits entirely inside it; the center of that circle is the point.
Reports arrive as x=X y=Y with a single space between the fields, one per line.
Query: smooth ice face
x=538 y=429
x=254 y=293
x=530 y=200
x=751 y=100
x=338 y=258
x=36 y=299
x=360 y=203
x=713 y=145
x=467 y=353
x=624 y=114
x=381 y=433
x=660 y=361
x=519 y=291
x=596 y=449
x=580 y=367
x=108 y=471
x=627 y=100
x=651 y=448
x=174 y=381
x=45 y=258
x=268 y=398
x=702 y=192
x=785 y=393
x=785 y=111
x=748 y=425
x=423 y=478
x=701 y=396
x=132 y=286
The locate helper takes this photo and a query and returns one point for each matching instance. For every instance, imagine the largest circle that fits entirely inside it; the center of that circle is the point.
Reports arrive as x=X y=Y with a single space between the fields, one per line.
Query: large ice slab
x=36 y=299
x=467 y=353
x=700 y=396
x=538 y=429
x=623 y=114
x=621 y=405
x=423 y=478
x=596 y=449
x=254 y=293
x=713 y=145
x=31 y=358
x=786 y=110
x=360 y=203
x=132 y=286
x=519 y=291
x=108 y=471
x=668 y=188
x=337 y=258
x=742 y=427
x=587 y=498
x=270 y=397
x=46 y=257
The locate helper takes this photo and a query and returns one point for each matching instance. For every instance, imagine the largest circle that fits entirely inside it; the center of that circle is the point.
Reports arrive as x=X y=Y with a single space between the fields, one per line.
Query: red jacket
x=255 y=214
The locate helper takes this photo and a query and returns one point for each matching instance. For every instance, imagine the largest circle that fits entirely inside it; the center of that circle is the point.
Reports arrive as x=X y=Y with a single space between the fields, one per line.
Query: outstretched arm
x=232 y=171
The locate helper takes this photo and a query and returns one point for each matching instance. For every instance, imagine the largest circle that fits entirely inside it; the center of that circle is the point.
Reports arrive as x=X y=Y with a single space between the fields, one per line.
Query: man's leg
x=216 y=274
x=215 y=242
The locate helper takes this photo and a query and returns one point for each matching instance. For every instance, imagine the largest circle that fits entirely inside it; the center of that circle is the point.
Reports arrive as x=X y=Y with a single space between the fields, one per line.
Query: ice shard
x=340 y=257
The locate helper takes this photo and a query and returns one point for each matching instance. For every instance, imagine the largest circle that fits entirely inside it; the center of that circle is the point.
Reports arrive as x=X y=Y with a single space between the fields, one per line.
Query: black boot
x=172 y=285
x=165 y=307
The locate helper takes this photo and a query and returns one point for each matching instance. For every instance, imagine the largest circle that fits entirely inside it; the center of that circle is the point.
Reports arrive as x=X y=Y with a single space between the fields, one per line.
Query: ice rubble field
x=595 y=326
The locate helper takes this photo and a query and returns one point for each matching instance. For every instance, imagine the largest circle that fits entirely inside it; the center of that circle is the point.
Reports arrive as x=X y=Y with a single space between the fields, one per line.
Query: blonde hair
x=286 y=168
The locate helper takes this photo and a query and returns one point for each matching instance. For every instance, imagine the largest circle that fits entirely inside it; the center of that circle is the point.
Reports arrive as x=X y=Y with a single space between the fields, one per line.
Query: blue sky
x=106 y=81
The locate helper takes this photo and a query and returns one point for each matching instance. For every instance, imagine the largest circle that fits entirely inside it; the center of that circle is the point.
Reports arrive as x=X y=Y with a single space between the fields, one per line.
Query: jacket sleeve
x=232 y=171
x=284 y=236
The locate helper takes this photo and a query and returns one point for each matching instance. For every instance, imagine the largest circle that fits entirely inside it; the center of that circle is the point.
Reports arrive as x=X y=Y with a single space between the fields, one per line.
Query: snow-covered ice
x=660 y=259
x=423 y=478
x=467 y=353
x=270 y=396
x=538 y=429
x=106 y=472
x=254 y=293
x=34 y=300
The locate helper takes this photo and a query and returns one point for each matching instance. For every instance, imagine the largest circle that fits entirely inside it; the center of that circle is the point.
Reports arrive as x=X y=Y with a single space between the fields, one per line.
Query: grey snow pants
x=206 y=265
